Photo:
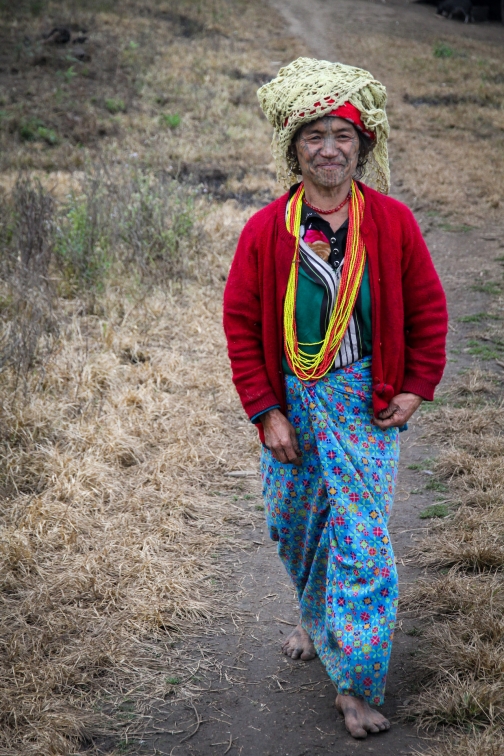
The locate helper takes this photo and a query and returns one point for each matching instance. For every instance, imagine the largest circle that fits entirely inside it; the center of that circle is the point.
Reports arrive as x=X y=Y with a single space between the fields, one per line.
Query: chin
x=330 y=179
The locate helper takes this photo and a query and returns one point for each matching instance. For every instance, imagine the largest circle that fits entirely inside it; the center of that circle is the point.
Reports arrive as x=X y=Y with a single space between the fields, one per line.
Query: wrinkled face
x=327 y=151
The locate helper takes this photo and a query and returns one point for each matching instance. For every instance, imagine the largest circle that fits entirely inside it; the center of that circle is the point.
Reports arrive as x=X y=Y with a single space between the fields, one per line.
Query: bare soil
x=265 y=703
x=258 y=702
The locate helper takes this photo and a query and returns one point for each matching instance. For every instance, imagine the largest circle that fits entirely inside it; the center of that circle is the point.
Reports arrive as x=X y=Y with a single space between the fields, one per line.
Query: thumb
x=388 y=411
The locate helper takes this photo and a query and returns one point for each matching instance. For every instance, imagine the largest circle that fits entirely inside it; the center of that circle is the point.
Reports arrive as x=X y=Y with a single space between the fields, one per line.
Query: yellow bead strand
x=306 y=366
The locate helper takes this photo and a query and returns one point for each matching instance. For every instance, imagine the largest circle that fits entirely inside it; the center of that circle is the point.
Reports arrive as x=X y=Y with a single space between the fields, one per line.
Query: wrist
x=269 y=415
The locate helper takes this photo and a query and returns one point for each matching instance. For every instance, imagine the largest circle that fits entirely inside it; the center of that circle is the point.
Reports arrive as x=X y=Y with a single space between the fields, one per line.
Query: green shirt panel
x=309 y=298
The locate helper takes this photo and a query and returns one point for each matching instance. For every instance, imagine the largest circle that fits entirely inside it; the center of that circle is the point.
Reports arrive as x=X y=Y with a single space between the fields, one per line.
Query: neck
x=326 y=197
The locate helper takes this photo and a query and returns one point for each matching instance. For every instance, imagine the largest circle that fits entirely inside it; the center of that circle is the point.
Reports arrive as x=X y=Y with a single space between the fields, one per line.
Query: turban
x=308 y=89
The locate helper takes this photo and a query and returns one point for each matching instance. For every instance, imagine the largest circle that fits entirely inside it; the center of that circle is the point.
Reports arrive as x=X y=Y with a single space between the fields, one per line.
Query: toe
x=307 y=655
x=373 y=728
x=358 y=732
x=380 y=722
x=296 y=653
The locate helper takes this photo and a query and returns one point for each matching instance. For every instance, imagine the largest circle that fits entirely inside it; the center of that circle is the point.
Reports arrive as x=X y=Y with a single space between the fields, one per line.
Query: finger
x=293 y=456
x=388 y=412
x=296 y=447
x=384 y=424
x=385 y=414
x=279 y=454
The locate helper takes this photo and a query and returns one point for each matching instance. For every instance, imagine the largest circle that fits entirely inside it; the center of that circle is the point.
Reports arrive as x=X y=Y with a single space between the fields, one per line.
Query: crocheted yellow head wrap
x=308 y=89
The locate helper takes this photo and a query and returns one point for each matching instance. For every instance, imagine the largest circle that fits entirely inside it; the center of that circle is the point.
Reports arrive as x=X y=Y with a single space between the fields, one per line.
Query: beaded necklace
x=312 y=367
x=334 y=209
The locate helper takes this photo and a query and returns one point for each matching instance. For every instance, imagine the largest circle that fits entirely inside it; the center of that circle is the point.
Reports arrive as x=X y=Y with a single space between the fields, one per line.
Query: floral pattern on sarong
x=330 y=517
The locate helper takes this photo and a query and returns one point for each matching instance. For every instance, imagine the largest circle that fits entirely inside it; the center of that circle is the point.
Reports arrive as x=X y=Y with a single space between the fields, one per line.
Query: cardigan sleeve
x=425 y=315
x=243 y=327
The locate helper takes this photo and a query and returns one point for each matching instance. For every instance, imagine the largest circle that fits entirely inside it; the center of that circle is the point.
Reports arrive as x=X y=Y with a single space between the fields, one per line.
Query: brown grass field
x=118 y=417
x=461 y=598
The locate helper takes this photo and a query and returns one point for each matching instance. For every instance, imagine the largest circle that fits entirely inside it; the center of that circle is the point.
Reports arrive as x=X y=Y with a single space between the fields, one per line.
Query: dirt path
x=258 y=703
x=266 y=704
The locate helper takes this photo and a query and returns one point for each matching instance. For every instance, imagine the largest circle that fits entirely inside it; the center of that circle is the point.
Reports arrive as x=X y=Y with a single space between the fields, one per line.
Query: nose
x=330 y=146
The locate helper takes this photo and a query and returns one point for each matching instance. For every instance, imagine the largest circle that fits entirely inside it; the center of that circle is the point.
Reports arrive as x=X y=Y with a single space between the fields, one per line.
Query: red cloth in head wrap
x=347 y=111
x=350 y=113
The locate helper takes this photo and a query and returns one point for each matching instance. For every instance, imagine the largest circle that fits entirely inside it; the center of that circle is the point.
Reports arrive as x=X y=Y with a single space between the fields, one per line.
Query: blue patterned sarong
x=330 y=517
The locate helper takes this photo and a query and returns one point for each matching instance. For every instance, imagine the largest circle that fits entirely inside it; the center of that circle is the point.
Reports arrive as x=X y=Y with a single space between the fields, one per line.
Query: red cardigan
x=409 y=317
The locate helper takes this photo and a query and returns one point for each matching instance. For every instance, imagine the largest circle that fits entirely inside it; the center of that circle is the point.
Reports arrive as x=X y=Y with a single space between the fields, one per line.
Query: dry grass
x=110 y=531
x=460 y=663
x=181 y=78
x=116 y=512
x=489 y=742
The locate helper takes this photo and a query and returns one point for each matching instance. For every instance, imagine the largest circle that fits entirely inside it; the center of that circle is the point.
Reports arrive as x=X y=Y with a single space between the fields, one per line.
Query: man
x=336 y=324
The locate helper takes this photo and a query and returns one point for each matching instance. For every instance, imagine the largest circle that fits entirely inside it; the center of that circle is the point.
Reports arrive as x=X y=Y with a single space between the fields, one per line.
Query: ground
x=131 y=443
x=259 y=701
x=266 y=703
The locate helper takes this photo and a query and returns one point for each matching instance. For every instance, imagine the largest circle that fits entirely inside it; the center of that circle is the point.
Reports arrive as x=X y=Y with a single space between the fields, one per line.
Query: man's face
x=327 y=151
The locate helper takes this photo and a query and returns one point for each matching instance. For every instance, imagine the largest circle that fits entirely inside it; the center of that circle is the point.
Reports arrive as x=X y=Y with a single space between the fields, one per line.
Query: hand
x=280 y=437
x=398 y=412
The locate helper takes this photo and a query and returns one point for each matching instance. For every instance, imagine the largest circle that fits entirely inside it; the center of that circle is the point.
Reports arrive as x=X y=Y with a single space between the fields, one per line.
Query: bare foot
x=299 y=645
x=360 y=718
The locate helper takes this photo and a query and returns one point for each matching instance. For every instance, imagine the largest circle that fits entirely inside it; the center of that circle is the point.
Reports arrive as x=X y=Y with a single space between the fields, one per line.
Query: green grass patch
x=170 y=120
x=427 y=462
x=115 y=105
x=461 y=228
x=489 y=287
x=126 y=746
x=438 y=401
x=483 y=350
x=442 y=50
x=34 y=130
x=173 y=680
x=435 y=510
x=70 y=74
x=476 y=318
x=436 y=485
x=81 y=246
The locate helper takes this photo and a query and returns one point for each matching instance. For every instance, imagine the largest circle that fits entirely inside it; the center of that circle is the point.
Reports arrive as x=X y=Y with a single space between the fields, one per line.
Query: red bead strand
x=328 y=212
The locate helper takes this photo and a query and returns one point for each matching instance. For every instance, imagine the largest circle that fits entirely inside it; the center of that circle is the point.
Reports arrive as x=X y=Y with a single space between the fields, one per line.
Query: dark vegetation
x=134 y=226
